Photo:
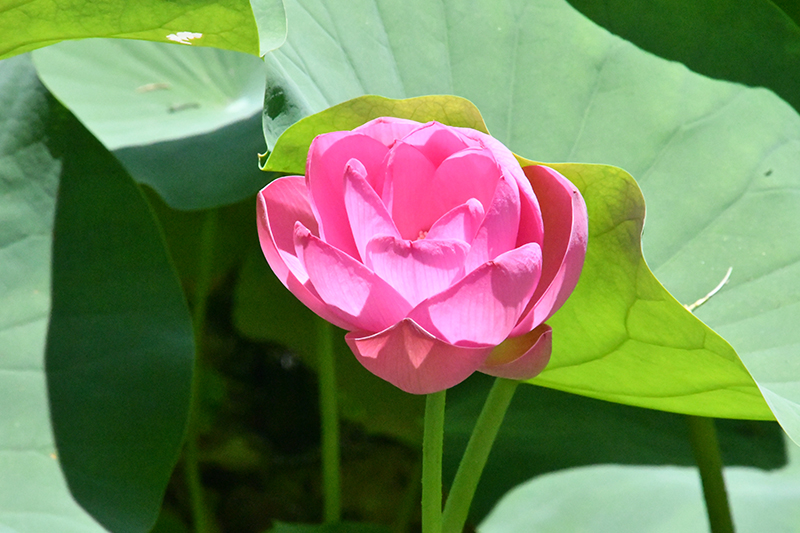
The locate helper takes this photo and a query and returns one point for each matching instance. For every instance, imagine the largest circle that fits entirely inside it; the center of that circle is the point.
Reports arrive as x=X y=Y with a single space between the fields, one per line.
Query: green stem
x=480 y=444
x=201 y=517
x=329 y=412
x=705 y=446
x=432 y=442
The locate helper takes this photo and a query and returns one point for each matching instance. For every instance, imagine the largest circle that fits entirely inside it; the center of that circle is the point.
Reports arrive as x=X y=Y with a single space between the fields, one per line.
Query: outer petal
x=416 y=269
x=504 y=157
x=531 y=217
x=521 y=357
x=531 y=226
x=387 y=130
x=365 y=210
x=483 y=307
x=352 y=290
x=413 y=360
x=327 y=158
x=498 y=232
x=566 y=232
x=278 y=206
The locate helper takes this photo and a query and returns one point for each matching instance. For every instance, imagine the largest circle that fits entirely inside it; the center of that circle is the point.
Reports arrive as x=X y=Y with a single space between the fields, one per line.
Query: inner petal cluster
x=414 y=226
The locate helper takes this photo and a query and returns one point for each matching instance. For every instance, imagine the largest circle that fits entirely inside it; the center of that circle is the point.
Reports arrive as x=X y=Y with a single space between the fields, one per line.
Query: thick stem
x=476 y=454
x=432 y=442
x=329 y=412
x=705 y=446
x=201 y=517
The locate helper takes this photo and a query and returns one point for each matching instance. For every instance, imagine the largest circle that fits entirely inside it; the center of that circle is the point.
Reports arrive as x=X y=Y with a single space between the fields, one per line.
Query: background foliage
x=96 y=344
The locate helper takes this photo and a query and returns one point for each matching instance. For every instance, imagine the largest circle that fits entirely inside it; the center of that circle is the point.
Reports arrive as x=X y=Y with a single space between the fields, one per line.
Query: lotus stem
x=703 y=436
x=432 y=443
x=480 y=444
x=202 y=518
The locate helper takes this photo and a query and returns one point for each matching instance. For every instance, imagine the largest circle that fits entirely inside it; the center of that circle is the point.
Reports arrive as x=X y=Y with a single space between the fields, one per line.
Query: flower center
x=422 y=234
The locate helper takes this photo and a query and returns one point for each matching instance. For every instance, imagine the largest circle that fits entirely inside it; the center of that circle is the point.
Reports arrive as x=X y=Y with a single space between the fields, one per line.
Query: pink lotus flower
x=431 y=246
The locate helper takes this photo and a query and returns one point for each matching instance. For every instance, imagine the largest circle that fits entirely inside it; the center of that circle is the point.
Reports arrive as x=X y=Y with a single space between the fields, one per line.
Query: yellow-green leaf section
x=254 y=27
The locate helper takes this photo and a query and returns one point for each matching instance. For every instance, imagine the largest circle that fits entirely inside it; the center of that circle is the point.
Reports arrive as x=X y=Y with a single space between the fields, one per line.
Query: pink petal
x=327 y=158
x=278 y=206
x=470 y=173
x=365 y=210
x=498 y=232
x=352 y=290
x=522 y=357
x=531 y=228
x=484 y=306
x=460 y=223
x=438 y=142
x=566 y=232
x=504 y=157
x=413 y=360
x=407 y=190
x=416 y=269
x=387 y=130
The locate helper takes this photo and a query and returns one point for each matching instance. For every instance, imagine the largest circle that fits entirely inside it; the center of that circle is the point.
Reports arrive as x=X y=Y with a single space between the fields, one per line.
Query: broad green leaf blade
x=185 y=121
x=131 y=93
x=635 y=499
x=555 y=87
x=204 y=171
x=119 y=346
x=621 y=336
x=270 y=18
x=33 y=492
x=750 y=41
x=228 y=24
x=119 y=341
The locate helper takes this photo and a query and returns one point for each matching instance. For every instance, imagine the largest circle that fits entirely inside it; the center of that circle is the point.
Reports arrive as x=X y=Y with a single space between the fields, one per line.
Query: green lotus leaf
x=94 y=384
x=255 y=27
x=645 y=499
x=185 y=121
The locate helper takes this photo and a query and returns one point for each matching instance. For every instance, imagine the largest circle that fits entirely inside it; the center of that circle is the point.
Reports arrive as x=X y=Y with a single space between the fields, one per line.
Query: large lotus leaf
x=637 y=499
x=118 y=352
x=131 y=93
x=183 y=120
x=255 y=27
x=620 y=336
x=33 y=493
x=749 y=41
x=717 y=162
